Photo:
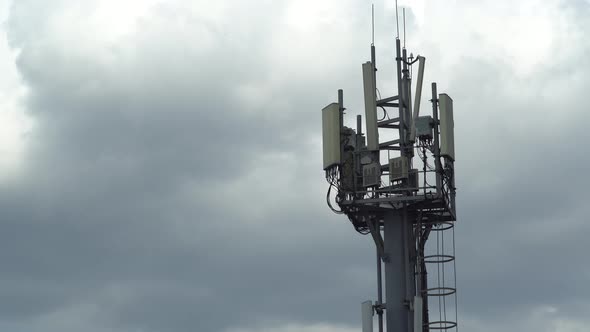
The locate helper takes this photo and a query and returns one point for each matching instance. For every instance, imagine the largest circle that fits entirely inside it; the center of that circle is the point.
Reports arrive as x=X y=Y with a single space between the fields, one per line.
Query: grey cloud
x=123 y=169
x=175 y=185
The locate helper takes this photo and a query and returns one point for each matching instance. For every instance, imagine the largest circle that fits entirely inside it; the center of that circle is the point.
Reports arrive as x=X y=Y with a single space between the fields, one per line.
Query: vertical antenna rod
x=372 y=24
x=373 y=42
x=396 y=19
x=404 y=15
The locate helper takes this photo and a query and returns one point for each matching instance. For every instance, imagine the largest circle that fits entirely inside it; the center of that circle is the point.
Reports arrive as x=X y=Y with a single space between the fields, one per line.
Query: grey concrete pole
x=396 y=301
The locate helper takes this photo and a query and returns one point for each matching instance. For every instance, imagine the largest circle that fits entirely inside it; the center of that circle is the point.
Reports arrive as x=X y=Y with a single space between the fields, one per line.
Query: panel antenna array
x=402 y=204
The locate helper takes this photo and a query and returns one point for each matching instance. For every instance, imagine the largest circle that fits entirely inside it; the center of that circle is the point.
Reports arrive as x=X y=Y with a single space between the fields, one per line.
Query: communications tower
x=400 y=200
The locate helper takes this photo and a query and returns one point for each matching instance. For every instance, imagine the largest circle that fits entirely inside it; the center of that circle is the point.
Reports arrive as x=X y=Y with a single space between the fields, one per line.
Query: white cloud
x=14 y=123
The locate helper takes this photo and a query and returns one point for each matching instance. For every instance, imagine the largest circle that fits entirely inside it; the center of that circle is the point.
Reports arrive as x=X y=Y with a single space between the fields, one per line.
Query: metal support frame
x=376 y=234
x=384 y=101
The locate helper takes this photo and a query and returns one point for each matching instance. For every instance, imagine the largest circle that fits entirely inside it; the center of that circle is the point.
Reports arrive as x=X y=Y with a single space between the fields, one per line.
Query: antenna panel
x=367 y=316
x=370 y=106
x=421 y=61
x=331 y=135
x=447 y=136
x=418 y=322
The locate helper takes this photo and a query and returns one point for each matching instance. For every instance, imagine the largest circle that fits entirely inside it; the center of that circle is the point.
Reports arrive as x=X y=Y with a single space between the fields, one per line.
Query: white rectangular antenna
x=418 y=96
x=367 y=316
x=331 y=134
x=370 y=106
x=418 y=313
x=447 y=136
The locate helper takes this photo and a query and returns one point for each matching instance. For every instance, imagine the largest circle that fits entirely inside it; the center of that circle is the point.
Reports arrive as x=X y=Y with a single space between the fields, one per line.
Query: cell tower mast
x=395 y=202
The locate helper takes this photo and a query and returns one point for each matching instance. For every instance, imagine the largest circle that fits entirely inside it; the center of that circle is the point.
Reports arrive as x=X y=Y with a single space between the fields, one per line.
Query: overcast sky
x=161 y=169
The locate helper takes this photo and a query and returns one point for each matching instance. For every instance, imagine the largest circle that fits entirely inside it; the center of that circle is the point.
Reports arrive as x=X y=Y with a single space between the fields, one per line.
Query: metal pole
x=437 y=164
x=402 y=101
x=357 y=156
x=409 y=151
x=408 y=270
x=422 y=283
x=373 y=60
x=359 y=124
x=406 y=88
x=379 y=287
x=341 y=108
x=341 y=105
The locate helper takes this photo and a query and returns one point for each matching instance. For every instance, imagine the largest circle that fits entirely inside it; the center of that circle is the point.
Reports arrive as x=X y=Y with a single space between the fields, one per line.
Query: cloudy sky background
x=160 y=162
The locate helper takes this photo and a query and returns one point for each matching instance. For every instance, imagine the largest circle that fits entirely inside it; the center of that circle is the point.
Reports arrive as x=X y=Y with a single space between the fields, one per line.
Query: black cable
x=385 y=114
x=330 y=204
